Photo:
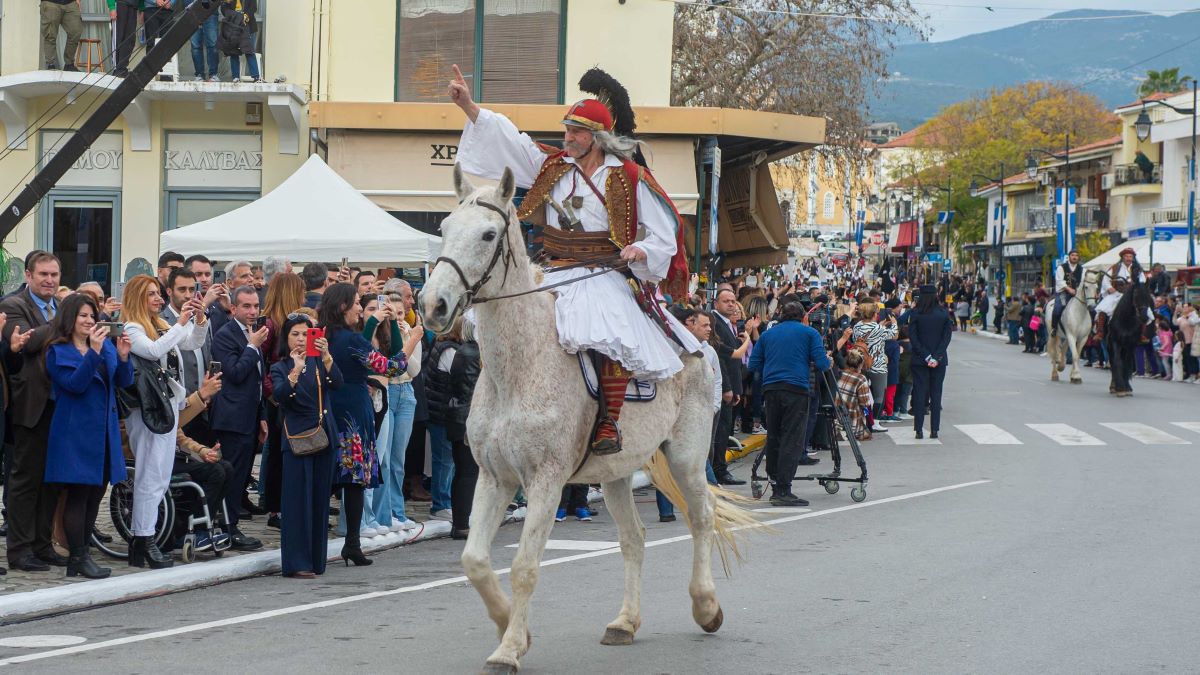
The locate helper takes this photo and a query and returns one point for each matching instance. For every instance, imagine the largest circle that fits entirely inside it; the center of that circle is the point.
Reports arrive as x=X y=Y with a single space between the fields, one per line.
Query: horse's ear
x=507 y=187
x=462 y=186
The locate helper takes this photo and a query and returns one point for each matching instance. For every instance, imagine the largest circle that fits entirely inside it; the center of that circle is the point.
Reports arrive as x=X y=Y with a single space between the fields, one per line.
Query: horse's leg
x=1076 y=349
x=618 y=497
x=1055 y=354
x=543 y=497
x=687 y=468
x=487 y=512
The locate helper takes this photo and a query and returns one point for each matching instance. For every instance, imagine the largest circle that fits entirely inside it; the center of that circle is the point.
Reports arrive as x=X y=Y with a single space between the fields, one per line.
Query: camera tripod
x=829 y=413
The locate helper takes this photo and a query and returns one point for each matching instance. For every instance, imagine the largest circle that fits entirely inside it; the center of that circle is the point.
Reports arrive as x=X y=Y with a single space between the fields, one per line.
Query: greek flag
x=1064 y=220
x=999 y=219
x=944 y=217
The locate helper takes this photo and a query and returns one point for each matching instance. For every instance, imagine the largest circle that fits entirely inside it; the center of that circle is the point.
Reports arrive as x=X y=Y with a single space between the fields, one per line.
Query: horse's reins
x=609 y=262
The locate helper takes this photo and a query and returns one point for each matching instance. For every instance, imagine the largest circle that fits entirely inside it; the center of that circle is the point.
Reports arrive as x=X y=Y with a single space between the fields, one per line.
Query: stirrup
x=606 y=446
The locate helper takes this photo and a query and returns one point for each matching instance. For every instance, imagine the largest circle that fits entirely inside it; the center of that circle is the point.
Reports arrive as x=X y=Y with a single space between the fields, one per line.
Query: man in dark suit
x=30 y=501
x=726 y=331
x=237 y=409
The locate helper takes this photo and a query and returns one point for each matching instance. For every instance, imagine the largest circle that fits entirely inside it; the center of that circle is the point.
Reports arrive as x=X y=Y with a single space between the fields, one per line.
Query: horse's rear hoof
x=498 y=669
x=715 y=625
x=1124 y=394
x=1076 y=380
x=615 y=637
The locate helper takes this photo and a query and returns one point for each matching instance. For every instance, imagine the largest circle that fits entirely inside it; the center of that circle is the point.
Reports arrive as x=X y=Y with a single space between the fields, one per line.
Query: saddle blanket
x=637 y=391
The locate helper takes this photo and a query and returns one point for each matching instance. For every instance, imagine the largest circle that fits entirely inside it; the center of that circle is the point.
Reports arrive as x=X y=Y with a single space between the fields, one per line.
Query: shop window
x=185 y=209
x=509 y=51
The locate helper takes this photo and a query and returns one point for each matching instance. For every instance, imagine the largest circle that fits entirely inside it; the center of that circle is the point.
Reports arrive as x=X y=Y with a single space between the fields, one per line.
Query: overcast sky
x=949 y=23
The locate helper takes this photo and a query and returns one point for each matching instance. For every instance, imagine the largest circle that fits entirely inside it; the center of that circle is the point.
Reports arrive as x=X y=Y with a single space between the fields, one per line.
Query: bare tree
x=807 y=57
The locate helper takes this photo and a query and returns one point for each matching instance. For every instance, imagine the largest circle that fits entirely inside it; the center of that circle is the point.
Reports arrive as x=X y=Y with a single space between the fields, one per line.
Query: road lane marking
x=988 y=434
x=1144 y=433
x=450 y=581
x=1065 y=434
x=782 y=509
x=906 y=436
x=575 y=545
x=1190 y=426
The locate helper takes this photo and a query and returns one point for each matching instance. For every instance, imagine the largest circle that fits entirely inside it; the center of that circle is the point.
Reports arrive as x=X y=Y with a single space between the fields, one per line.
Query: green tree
x=1166 y=81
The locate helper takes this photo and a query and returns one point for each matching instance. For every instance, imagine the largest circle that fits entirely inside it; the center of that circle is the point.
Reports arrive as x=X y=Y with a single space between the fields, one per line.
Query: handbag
x=1035 y=322
x=150 y=393
x=314 y=440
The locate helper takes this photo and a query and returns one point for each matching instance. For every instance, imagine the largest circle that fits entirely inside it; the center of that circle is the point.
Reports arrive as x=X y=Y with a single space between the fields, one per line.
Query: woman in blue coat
x=303 y=388
x=356 y=462
x=84 y=450
x=929 y=335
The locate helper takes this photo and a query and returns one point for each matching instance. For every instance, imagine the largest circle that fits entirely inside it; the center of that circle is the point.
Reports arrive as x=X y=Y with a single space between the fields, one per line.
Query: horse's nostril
x=441 y=306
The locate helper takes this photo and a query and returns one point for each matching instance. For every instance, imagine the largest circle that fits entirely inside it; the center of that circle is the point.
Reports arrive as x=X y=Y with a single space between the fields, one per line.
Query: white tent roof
x=1172 y=254
x=314 y=215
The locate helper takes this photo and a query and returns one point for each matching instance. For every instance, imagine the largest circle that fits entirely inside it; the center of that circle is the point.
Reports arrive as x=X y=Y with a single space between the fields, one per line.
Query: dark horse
x=1125 y=328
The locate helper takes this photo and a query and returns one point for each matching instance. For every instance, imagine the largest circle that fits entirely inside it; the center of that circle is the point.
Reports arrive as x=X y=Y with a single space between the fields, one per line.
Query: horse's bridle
x=501 y=252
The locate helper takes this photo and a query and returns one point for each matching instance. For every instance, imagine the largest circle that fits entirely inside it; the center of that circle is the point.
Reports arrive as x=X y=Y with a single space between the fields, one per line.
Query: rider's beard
x=576 y=150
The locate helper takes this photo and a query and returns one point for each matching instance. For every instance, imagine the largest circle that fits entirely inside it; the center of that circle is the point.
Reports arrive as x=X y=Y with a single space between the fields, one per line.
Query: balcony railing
x=1041 y=219
x=1166 y=214
x=1088 y=214
x=1132 y=174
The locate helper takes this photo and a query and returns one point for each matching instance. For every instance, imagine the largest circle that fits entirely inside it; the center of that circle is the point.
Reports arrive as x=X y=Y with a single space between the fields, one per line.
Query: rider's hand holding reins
x=633 y=253
x=460 y=95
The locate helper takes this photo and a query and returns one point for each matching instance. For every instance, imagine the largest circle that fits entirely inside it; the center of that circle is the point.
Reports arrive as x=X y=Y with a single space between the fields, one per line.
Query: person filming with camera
x=785 y=354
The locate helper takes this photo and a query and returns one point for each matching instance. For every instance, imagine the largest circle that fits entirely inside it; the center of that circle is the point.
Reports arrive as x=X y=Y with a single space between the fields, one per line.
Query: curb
x=991 y=335
x=44 y=602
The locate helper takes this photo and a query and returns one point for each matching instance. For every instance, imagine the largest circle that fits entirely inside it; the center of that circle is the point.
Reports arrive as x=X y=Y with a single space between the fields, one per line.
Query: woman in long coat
x=929 y=330
x=303 y=387
x=84 y=449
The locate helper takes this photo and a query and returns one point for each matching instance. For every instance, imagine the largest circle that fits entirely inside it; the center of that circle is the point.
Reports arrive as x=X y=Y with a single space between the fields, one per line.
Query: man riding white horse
x=1114 y=284
x=593 y=201
x=1067 y=280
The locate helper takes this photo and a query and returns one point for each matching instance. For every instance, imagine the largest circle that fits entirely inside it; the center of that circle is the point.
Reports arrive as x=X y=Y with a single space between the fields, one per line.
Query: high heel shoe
x=355 y=555
x=143 y=550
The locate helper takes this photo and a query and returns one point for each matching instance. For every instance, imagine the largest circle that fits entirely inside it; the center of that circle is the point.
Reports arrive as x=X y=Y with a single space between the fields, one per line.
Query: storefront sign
x=1017 y=250
x=98 y=167
x=208 y=161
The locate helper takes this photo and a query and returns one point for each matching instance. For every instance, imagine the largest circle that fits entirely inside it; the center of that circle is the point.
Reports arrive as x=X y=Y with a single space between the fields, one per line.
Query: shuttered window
x=518 y=42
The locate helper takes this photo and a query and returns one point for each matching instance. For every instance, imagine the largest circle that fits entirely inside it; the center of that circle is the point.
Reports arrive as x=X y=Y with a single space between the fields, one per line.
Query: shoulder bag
x=314 y=440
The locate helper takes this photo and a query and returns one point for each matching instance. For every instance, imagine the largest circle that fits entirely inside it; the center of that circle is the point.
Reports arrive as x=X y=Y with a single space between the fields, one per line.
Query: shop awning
x=411 y=171
x=904 y=235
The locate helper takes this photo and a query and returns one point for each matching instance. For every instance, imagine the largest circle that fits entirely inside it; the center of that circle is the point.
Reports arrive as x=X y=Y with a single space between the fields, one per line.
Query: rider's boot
x=1101 y=320
x=613 y=381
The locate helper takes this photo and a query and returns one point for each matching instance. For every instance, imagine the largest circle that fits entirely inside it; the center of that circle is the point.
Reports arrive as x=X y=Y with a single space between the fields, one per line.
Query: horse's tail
x=731 y=518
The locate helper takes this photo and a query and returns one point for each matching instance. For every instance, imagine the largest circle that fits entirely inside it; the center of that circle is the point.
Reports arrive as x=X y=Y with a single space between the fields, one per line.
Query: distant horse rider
x=1114 y=284
x=1067 y=280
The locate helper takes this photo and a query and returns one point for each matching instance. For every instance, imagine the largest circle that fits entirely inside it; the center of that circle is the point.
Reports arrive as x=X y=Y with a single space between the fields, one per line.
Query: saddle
x=637 y=391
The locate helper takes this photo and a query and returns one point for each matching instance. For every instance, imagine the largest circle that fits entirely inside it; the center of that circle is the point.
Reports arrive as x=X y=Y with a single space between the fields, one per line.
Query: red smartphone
x=310 y=337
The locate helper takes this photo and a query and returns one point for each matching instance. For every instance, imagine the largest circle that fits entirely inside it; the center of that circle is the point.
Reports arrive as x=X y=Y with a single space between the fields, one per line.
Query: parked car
x=839 y=259
x=831 y=236
x=808 y=234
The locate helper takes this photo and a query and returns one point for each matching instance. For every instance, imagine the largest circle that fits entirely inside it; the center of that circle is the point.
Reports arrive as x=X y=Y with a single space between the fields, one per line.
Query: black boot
x=81 y=564
x=143 y=550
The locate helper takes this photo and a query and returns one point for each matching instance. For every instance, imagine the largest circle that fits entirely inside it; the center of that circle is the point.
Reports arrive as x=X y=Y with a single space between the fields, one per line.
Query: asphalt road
x=1039 y=557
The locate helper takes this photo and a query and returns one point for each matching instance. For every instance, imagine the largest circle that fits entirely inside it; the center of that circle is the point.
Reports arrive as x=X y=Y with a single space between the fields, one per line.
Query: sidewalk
x=30 y=595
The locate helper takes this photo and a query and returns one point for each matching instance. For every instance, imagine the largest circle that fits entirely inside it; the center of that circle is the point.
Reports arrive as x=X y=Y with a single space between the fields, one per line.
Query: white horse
x=531 y=421
x=1075 y=328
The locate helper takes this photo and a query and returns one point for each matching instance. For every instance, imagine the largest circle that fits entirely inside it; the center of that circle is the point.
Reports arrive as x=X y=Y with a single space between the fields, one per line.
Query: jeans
x=665 y=508
x=903 y=393
x=1014 y=332
x=442 y=471
x=389 y=498
x=204 y=41
x=235 y=62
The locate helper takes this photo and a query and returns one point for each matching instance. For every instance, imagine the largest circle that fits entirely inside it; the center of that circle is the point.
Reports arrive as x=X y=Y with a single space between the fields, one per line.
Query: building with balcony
x=368 y=96
x=1136 y=179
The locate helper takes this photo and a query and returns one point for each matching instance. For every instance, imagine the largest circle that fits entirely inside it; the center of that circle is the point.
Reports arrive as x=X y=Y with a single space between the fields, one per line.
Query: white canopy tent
x=1172 y=254
x=314 y=215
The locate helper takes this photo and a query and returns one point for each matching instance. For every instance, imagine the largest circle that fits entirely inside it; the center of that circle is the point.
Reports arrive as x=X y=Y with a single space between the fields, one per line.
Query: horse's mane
x=1125 y=323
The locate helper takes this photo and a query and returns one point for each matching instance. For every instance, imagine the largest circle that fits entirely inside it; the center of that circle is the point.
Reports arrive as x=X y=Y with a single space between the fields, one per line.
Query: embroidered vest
x=1073 y=279
x=620 y=195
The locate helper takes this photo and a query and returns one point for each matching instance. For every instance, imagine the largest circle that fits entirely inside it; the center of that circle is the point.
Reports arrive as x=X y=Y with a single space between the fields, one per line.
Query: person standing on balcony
x=125 y=13
x=205 y=57
x=156 y=14
x=64 y=14
x=239 y=36
x=1145 y=166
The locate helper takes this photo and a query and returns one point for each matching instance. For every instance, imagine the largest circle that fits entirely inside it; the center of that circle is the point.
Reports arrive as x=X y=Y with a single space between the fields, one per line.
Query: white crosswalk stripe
x=905 y=436
x=1065 y=434
x=1190 y=426
x=1144 y=433
x=988 y=434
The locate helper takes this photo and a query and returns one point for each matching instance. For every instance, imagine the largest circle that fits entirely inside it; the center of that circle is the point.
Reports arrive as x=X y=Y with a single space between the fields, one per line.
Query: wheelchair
x=120 y=509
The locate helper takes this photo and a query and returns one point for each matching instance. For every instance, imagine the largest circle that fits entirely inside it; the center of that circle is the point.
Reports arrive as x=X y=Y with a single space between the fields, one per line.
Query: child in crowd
x=854 y=392
x=1165 y=347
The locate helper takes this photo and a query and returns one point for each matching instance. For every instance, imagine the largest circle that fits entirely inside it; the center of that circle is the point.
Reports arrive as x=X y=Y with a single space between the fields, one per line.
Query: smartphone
x=260 y=322
x=381 y=300
x=741 y=325
x=115 y=329
x=214 y=367
x=310 y=337
x=345 y=263
x=118 y=289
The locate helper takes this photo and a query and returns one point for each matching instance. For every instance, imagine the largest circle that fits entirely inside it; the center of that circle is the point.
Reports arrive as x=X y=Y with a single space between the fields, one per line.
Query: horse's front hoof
x=1124 y=394
x=498 y=669
x=715 y=625
x=616 y=637
x=1076 y=380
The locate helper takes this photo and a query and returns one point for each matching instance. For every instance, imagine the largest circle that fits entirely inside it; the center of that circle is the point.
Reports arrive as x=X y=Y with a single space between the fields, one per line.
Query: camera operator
x=785 y=354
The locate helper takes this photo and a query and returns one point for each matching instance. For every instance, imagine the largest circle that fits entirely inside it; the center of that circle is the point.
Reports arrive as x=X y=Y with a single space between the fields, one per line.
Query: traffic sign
x=1163 y=235
x=1001 y=275
x=933 y=257
x=877 y=239
x=946 y=267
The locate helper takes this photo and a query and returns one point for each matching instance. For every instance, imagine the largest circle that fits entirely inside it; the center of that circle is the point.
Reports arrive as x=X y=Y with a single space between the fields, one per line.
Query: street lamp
x=1142 y=128
x=974 y=192
x=1031 y=164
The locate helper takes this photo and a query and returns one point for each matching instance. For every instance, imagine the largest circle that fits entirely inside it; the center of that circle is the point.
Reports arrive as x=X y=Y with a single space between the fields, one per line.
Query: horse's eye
x=489 y=235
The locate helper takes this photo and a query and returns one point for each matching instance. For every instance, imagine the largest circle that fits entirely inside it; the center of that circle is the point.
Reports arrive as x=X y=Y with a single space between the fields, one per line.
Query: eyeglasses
x=298 y=316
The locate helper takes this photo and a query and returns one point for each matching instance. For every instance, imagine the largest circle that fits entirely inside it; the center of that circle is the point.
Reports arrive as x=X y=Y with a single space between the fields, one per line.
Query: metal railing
x=1088 y=214
x=1166 y=214
x=1132 y=174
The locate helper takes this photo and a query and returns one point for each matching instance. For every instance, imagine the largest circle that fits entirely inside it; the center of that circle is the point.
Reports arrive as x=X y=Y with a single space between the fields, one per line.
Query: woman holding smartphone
x=85 y=369
x=303 y=387
x=154 y=454
x=356 y=462
x=285 y=295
